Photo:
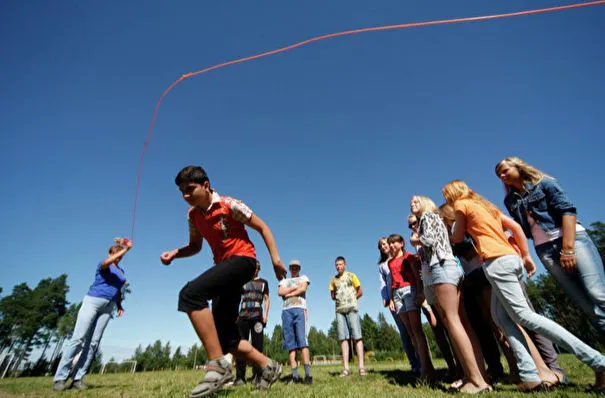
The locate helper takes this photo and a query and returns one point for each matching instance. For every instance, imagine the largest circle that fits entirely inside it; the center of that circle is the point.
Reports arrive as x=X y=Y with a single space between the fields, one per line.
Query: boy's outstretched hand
x=167 y=257
x=280 y=270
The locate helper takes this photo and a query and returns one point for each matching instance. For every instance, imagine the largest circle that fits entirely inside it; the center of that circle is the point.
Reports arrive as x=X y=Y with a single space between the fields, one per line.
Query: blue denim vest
x=546 y=201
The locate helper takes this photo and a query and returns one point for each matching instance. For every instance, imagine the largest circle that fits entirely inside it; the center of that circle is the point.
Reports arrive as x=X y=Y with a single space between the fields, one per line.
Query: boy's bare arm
x=298 y=290
x=282 y=290
x=266 y=311
x=193 y=247
x=259 y=225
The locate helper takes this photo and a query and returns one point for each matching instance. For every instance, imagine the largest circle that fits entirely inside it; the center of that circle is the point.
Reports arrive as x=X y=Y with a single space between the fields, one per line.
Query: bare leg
x=448 y=297
x=306 y=356
x=412 y=321
x=359 y=347
x=292 y=358
x=344 y=347
x=443 y=343
x=203 y=323
x=251 y=354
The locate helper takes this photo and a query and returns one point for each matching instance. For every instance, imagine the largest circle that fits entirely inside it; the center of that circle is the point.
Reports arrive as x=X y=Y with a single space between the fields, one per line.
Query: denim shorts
x=404 y=299
x=348 y=326
x=294 y=329
x=446 y=271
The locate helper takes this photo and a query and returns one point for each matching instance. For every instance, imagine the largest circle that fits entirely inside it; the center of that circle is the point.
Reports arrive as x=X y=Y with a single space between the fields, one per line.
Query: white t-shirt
x=540 y=236
x=296 y=301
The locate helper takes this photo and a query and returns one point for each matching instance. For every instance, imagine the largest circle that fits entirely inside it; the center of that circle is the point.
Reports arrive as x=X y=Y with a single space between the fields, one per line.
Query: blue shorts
x=348 y=326
x=293 y=329
x=446 y=271
x=403 y=298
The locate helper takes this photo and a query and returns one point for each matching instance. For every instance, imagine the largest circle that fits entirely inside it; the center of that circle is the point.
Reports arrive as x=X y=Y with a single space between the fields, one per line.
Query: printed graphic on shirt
x=296 y=301
x=253 y=295
x=345 y=291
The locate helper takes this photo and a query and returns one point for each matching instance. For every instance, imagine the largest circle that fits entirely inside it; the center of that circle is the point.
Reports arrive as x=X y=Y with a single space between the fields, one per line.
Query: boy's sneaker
x=308 y=380
x=269 y=375
x=79 y=385
x=218 y=374
x=59 y=385
x=238 y=382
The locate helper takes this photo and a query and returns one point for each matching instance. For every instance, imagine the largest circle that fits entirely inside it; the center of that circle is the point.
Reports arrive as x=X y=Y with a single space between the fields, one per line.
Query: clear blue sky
x=326 y=143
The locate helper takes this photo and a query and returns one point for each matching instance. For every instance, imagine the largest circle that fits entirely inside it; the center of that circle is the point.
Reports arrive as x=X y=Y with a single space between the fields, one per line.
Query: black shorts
x=223 y=285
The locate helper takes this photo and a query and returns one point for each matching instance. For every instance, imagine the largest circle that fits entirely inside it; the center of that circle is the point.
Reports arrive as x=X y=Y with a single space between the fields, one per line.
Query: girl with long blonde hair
x=548 y=217
x=441 y=271
x=503 y=267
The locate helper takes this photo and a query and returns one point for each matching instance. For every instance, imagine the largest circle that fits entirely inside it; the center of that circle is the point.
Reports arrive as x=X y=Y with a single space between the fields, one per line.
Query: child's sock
x=295 y=374
x=307 y=370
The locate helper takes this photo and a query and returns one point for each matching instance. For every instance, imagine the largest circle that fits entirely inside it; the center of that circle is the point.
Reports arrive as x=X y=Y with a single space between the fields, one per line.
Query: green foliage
x=386 y=379
x=549 y=299
x=597 y=233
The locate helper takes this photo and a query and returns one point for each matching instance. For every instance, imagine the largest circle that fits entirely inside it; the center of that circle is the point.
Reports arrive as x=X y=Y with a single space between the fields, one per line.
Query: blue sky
x=326 y=143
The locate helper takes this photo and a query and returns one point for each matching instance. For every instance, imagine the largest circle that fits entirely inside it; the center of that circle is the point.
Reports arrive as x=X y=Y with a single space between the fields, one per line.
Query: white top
x=540 y=236
x=296 y=301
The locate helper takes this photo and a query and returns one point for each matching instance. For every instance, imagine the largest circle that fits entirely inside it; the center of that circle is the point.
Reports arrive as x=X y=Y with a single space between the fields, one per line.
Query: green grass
x=386 y=379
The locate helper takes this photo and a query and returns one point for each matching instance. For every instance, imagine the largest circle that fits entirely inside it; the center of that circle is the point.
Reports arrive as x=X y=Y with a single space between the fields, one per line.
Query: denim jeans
x=509 y=306
x=92 y=319
x=348 y=326
x=410 y=351
x=586 y=285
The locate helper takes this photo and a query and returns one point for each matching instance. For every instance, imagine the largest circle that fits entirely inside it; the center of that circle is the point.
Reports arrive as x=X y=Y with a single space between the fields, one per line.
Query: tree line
x=41 y=317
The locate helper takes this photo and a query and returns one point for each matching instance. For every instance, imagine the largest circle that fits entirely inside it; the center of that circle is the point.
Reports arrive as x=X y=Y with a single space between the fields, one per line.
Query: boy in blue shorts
x=221 y=222
x=293 y=290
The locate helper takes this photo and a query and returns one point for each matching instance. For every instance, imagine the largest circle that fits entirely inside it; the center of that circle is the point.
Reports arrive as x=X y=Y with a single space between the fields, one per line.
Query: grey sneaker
x=269 y=375
x=59 y=385
x=239 y=382
x=79 y=385
x=216 y=377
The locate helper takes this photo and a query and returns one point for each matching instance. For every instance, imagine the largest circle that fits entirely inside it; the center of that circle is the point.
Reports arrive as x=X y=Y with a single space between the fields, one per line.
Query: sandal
x=211 y=383
x=363 y=372
x=269 y=375
x=345 y=373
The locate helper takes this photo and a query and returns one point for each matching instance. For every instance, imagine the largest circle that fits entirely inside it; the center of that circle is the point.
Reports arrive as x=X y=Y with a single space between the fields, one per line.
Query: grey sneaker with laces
x=269 y=375
x=217 y=375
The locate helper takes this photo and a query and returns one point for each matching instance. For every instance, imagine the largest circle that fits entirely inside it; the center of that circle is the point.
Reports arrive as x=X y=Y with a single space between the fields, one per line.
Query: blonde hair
x=425 y=204
x=447 y=212
x=457 y=190
x=527 y=172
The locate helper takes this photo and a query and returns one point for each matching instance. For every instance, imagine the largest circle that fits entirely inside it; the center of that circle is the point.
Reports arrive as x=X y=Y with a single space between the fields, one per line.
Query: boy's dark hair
x=191 y=174
x=340 y=258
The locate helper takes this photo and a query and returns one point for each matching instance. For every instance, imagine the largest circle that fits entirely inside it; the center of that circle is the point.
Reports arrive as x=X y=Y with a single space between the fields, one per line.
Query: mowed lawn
x=385 y=379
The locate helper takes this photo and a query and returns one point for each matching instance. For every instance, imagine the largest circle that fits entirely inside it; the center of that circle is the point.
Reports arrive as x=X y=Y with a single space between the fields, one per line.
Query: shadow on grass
x=410 y=379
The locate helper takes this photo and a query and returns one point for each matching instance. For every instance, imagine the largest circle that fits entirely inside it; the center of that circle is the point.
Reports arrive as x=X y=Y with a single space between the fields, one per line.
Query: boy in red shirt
x=220 y=221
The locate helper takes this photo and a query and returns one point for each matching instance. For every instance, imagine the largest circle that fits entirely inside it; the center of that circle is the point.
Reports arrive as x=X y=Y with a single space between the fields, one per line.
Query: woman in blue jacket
x=548 y=217
x=97 y=308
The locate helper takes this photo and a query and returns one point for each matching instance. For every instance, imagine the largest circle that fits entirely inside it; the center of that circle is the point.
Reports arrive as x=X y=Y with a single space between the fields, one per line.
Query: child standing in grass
x=345 y=290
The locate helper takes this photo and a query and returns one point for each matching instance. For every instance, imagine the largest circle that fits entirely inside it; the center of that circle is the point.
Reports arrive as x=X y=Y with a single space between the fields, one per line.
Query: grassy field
x=386 y=379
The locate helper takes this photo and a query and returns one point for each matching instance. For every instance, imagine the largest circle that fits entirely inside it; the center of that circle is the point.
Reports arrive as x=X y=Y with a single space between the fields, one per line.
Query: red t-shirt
x=222 y=226
x=401 y=270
